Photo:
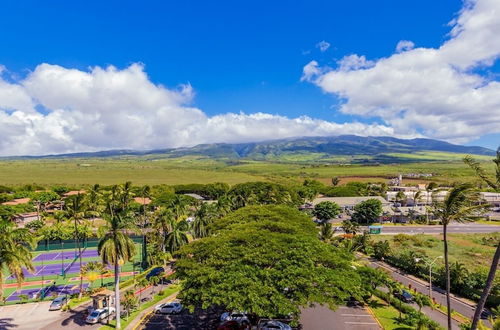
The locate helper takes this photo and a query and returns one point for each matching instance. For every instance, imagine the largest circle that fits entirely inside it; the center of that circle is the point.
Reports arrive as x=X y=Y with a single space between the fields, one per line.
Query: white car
x=274 y=325
x=239 y=317
x=99 y=314
x=169 y=308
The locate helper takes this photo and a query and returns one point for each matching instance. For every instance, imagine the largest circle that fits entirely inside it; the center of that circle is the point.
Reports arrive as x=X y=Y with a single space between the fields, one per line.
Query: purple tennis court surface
x=59 y=290
x=54 y=269
x=48 y=256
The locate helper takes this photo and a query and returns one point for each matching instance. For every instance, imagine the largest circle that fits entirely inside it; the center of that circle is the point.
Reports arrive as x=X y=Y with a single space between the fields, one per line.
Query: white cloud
x=404 y=45
x=323 y=46
x=431 y=90
x=56 y=110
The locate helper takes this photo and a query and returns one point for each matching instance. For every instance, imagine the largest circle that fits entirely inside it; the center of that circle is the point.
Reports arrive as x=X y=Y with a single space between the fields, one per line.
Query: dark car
x=155 y=272
x=404 y=296
x=353 y=302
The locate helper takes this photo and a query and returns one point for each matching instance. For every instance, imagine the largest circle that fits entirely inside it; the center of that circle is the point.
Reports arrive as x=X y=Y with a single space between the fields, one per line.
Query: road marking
x=33 y=309
x=361 y=315
x=362 y=323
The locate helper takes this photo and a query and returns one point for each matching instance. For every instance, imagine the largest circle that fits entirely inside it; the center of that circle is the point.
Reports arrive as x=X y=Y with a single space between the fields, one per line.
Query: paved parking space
x=200 y=319
x=27 y=316
x=344 y=318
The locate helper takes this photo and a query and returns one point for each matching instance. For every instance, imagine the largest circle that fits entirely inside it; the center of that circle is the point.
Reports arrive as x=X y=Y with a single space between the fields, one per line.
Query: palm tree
x=141 y=284
x=76 y=210
x=14 y=251
x=177 y=234
x=350 y=227
x=203 y=217
x=429 y=188
x=459 y=205
x=92 y=271
x=145 y=193
x=326 y=232
x=495 y=184
x=116 y=246
x=154 y=280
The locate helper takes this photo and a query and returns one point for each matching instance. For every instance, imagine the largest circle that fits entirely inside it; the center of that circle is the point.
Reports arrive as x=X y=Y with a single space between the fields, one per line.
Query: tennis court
x=50 y=291
x=68 y=254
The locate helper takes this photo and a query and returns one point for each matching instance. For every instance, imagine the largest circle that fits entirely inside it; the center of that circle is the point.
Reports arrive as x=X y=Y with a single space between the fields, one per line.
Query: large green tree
x=265 y=260
x=326 y=210
x=367 y=211
x=494 y=184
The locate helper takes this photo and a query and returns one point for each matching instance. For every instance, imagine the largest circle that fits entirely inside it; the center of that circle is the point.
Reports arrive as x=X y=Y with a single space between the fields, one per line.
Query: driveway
x=344 y=318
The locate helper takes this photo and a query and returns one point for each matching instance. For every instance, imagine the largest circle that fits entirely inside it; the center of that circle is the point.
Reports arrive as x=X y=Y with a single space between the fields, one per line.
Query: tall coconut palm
x=177 y=234
x=76 y=208
x=15 y=244
x=145 y=194
x=115 y=246
x=203 y=217
x=494 y=184
x=459 y=205
x=429 y=188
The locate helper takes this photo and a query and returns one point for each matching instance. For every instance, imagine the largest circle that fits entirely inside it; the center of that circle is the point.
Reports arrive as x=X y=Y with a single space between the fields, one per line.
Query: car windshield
x=169 y=305
x=237 y=315
x=94 y=314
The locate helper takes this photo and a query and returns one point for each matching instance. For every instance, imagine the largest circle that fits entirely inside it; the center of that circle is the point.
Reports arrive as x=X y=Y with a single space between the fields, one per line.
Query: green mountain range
x=344 y=148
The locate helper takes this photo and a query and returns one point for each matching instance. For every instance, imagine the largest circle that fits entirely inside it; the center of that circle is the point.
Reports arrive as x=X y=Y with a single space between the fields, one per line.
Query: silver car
x=58 y=303
x=99 y=314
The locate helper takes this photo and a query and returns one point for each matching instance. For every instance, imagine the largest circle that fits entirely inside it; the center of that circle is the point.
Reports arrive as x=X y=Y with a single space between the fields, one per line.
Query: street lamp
x=430 y=271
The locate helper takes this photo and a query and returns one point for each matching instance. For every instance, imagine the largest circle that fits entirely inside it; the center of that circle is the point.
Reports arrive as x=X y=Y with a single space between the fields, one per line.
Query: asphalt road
x=344 y=318
x=466 y=228
x=437 y=293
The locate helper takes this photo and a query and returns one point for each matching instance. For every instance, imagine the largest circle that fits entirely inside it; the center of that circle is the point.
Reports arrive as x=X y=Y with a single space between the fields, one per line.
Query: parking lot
x=344 y=318
x=200 y=319
x=27 y=316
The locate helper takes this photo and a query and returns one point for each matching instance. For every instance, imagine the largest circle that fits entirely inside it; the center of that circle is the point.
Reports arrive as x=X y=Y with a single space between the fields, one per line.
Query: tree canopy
x=367 y=211
x=326 y=210
x=265 y=260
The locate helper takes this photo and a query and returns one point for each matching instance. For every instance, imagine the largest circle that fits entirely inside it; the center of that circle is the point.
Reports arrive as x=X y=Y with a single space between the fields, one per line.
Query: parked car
x=404 y=296
x=274 y=325
x=170 y=308
x=58 y=303
x=353 y=302
x=99 y=314
x=240 y=317
x=155 y=272
x=232 y=325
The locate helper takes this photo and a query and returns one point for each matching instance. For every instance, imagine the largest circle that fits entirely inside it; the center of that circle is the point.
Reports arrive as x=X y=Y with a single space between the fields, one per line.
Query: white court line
x=362 y=315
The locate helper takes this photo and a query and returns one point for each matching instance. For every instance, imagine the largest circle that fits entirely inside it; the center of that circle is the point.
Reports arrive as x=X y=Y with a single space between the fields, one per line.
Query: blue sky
x=237 y=56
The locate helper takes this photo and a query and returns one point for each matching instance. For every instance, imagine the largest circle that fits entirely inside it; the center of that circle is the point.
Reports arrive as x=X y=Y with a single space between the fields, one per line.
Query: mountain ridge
x=326 y=146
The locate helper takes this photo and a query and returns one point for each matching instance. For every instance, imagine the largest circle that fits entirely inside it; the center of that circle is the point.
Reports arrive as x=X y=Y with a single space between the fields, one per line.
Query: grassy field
x=475 y=251
x=189 y=169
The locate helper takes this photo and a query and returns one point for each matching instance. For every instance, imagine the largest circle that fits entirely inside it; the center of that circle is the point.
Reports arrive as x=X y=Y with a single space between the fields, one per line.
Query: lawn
x=475 y=251
x=387 y=315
